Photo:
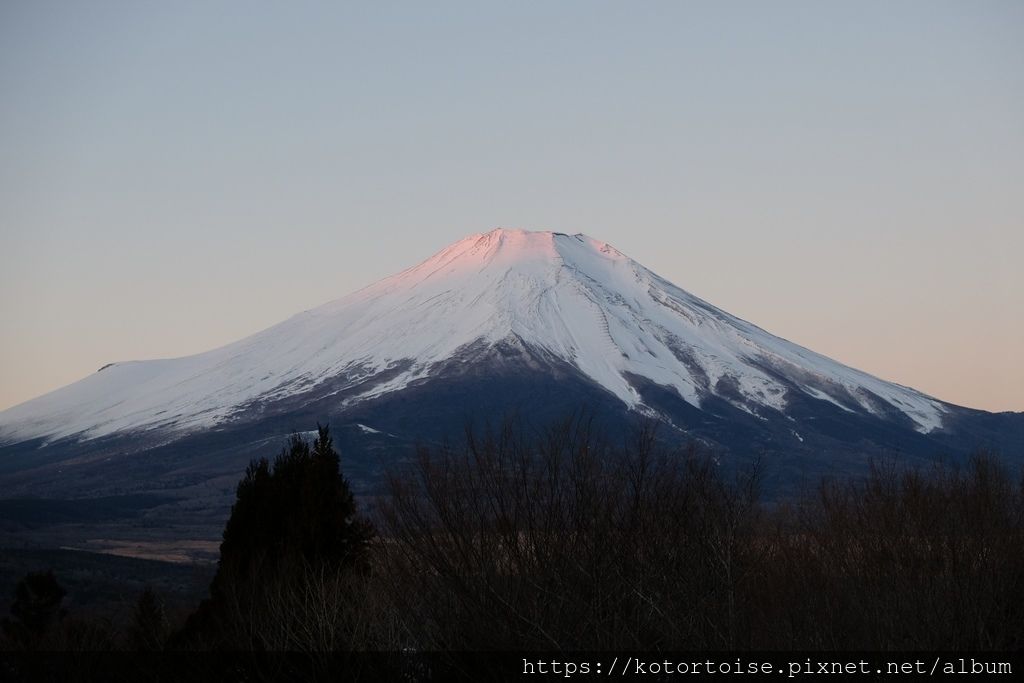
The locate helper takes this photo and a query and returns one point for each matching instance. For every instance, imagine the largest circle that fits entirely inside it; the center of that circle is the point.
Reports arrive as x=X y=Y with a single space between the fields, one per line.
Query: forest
x=562 y=540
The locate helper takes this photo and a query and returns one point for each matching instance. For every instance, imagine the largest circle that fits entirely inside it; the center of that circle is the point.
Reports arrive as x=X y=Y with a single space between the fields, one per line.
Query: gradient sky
x=850 y=176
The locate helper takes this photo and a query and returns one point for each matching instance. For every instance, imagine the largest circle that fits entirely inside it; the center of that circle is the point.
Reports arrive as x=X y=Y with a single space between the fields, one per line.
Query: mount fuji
x=537 y=324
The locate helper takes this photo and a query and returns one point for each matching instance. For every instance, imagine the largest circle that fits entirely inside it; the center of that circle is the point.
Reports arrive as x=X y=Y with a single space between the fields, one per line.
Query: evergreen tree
x=149 y=623
x=289 y=517
x=36 y=607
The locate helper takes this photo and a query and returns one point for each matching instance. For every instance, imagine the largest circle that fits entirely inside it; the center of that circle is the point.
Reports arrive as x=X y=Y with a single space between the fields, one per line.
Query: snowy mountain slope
x=573 y=298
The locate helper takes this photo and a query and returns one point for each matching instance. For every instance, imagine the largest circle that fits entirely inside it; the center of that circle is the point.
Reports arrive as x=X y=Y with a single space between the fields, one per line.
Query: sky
x=850 y=176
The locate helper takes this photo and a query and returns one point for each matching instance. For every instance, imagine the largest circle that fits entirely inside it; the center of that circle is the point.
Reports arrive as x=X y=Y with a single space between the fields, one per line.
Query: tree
x=149 y=623
x=36 y=607
x=292 y=519
x=562 y=541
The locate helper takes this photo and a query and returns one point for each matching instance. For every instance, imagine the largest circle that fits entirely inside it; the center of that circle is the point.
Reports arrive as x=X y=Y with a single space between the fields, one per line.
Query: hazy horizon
x=846 y=177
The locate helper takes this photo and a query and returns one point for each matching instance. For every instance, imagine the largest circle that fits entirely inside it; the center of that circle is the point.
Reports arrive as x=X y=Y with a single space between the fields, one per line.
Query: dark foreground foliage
x=294 y=542
x=561 y=541
x=565 y=543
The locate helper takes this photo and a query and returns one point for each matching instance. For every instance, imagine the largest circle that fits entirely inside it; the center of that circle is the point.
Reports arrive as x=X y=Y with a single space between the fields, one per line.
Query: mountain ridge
x=501 y=325
x=576 y=297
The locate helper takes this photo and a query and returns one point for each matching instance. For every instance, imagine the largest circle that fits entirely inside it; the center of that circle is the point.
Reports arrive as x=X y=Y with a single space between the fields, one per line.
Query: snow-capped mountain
x=572 y=316
x=571 y=296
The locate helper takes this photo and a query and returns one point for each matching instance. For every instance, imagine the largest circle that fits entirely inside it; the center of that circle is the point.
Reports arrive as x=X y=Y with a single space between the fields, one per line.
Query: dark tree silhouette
x=36 y=607
x=149 y=623
x=291 y=518
x=301 y=510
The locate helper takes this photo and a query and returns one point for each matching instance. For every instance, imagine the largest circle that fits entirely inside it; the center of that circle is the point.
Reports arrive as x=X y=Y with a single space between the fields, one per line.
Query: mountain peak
x=572 y=299
x=512 y=241
x=504 y=249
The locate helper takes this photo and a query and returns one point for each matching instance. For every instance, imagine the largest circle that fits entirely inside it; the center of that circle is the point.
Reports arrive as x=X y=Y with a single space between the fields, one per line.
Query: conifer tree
x=149 y=623
x=36 y=607
x=290 y=517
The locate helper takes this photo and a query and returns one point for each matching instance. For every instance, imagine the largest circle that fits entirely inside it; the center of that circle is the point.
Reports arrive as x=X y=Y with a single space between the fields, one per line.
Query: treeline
x=564 y=541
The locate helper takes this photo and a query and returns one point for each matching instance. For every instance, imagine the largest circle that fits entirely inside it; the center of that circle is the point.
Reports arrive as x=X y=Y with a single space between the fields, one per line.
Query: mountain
x=535 y=323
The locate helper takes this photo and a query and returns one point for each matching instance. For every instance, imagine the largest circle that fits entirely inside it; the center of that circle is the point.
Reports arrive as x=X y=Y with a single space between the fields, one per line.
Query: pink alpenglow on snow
x=576 y=298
